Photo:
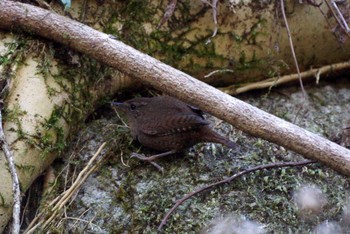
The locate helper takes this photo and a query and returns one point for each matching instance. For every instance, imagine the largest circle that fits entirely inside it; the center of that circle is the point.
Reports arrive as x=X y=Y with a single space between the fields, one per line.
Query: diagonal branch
x=100 y=46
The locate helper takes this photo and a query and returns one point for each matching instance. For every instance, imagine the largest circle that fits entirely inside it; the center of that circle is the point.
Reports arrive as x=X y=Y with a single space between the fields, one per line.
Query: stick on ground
x=228 y=180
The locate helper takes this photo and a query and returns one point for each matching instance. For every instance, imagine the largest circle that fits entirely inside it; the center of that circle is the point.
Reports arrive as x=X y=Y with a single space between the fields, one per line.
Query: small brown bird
x=168 y=125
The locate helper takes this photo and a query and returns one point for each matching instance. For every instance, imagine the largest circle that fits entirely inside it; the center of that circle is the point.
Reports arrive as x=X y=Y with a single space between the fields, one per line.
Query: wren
x=167 y=125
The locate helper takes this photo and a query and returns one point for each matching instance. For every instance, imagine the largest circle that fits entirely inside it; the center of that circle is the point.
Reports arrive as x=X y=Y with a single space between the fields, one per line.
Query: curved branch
x=228 y=180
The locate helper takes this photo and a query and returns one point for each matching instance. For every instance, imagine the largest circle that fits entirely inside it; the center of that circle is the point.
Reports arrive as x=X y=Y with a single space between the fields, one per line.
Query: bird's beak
x=120 y=105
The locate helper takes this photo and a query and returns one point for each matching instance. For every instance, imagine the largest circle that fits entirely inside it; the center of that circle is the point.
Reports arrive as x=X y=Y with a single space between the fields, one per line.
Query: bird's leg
x=153 y=157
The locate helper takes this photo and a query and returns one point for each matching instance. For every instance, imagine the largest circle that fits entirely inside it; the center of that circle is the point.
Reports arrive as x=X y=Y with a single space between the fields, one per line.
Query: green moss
x=14 y=116
x=170 y=44
x=2 y=202
x=14 y=54
x=76 y=81
x=5 y=59
x=26 y=169
x=258 y=29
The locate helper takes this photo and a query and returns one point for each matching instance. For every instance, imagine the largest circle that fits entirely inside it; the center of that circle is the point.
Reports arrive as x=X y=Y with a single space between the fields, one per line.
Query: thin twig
x=227 y=180
x=214 y=6
x=218 y=71
x=15 y=228
x=292 y=48
x=169 y=11
x=337 y=14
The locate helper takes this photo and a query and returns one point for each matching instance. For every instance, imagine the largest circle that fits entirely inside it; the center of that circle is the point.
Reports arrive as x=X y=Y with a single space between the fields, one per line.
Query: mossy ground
x=127 y=196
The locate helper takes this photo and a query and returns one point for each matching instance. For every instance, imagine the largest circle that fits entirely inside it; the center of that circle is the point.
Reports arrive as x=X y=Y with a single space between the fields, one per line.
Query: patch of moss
x=2 y=201
x=26 y=169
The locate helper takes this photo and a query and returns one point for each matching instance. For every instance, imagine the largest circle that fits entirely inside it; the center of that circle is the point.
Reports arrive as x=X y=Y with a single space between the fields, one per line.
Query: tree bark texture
x=100 y=46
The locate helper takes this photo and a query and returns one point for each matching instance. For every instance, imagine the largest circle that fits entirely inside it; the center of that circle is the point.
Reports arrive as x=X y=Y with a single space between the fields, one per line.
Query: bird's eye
x=132 y=107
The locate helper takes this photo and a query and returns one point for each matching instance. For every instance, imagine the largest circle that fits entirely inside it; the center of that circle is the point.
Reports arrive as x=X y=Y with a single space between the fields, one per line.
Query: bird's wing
x=172 y=124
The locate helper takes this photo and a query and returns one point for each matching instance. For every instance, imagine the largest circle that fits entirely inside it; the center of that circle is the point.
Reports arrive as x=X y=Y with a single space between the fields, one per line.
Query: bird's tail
x=212 y=136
